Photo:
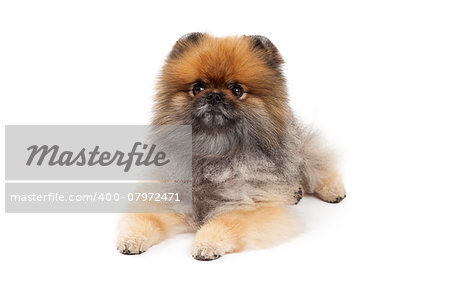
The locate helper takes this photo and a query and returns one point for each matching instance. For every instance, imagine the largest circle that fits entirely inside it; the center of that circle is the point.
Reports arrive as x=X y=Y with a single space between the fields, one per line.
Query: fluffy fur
x=251 y=157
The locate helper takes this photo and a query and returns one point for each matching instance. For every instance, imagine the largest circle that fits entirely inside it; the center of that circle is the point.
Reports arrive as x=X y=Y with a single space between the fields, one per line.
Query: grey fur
x=254 y=176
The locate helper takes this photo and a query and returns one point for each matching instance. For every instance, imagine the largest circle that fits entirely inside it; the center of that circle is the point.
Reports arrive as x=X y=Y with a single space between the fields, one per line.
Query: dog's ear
x=185 y=42
x=271 y=52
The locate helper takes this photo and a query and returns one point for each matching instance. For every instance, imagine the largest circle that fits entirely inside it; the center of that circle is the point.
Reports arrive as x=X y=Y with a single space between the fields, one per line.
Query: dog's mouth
x=213 y=116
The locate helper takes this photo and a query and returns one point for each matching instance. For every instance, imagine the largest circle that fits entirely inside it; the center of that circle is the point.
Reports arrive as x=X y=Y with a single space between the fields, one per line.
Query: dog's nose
x=214 y=98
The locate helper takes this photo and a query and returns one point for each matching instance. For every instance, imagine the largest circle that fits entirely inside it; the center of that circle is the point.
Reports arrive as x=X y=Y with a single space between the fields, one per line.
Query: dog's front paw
x=206 y=251
x=133 y=244
x=332 y=191
x=212 y=242
x=137 y=233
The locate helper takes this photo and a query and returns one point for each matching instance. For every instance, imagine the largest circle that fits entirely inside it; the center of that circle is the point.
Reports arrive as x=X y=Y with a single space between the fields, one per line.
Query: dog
x=252 y=158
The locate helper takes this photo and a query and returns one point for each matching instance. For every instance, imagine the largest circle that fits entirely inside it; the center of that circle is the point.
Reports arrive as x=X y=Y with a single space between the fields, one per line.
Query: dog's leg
x=319 y=169
x=138 y=232
x=239 y=230
x=332 y=189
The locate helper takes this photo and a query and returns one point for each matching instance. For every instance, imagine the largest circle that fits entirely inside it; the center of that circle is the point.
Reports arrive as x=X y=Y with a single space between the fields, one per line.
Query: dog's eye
x=198 y=87
x=236 y=89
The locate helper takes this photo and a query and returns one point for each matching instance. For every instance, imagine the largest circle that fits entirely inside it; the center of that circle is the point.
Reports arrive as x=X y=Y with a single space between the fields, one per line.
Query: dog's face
x=224 y=86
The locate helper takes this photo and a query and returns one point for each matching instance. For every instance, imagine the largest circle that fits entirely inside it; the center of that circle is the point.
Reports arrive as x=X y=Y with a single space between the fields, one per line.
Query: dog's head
x=230 y=89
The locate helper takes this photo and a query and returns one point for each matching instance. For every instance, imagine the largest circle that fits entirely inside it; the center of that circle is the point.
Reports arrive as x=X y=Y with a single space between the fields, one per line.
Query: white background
x=373 y=75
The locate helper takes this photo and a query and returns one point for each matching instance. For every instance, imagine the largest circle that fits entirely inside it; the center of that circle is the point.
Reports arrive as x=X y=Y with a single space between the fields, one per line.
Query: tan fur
x=242 y=230
x=138 y=232
x=332 y=190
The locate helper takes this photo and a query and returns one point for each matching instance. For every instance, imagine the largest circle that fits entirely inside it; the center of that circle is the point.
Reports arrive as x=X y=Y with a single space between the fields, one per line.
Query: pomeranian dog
x=251 y=157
